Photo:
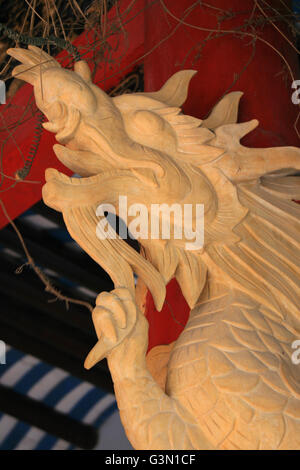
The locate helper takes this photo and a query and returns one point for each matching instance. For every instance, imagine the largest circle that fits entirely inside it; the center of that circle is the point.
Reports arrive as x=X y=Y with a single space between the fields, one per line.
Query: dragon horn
x=225 y=112
x=253 y=162
x=174 y=92
x=33 y=60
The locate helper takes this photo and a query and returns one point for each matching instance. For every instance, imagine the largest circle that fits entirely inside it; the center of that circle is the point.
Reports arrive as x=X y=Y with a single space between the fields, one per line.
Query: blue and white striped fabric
x=53 y=386
x=63 y=392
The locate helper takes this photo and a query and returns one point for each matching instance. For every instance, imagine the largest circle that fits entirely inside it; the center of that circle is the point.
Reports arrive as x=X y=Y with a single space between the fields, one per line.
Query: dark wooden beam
x=98 y=376
x=54 y=256
x=29 y=295
x=50 y=214
x=46 y=239
x=34 y=323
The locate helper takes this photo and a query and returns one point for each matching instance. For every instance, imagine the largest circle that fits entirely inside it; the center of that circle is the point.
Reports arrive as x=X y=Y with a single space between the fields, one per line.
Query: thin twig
x=275 y=26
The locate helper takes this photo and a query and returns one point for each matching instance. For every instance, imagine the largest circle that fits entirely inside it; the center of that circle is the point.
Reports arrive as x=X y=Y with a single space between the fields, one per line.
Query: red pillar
x=260 y=67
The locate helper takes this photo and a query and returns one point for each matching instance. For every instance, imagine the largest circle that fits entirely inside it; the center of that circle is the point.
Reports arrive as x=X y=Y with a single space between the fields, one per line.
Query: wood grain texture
x=228 y=382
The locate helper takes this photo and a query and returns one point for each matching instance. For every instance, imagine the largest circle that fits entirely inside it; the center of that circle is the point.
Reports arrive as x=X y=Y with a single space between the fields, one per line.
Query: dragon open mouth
x=63 y=121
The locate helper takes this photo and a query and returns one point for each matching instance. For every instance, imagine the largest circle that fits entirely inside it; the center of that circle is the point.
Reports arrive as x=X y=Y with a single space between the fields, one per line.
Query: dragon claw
x=114 y=318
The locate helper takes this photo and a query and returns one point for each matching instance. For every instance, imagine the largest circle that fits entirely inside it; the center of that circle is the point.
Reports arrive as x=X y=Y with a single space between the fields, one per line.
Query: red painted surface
x=265 y=83
x=266 y=95
x=126 y=48
x=166 y=326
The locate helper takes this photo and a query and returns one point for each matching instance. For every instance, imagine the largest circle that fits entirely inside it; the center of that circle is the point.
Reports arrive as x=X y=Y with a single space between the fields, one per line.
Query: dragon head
x=141 y=146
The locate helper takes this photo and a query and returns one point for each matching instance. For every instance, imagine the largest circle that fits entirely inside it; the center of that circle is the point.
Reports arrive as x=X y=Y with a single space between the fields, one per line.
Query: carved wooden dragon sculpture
x=230 y=381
